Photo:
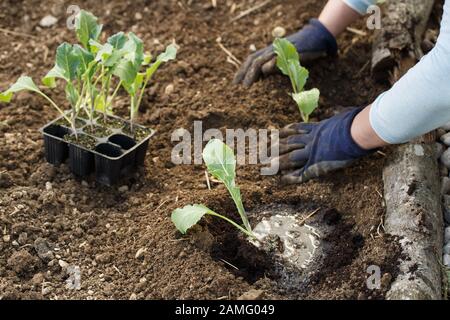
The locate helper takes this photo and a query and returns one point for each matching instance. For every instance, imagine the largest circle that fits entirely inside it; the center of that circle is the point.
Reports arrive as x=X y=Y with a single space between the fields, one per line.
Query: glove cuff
x=326 y=35
x=350 y=146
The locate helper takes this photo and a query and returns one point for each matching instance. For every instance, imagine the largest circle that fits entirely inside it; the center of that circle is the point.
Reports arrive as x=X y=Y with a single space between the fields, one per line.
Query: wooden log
x=411 y=174
x=413 y=212
x=403 y=25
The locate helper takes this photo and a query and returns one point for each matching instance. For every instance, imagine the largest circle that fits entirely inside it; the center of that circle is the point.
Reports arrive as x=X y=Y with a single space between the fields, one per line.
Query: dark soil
x=97 y=131
x=137 y=133
x=122 y=237
x=81 y=140
x=111 y=122
x=63 y=122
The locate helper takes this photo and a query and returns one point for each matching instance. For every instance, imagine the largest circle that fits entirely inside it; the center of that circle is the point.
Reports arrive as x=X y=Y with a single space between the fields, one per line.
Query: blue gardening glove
x=309 y=150
x=312 y=42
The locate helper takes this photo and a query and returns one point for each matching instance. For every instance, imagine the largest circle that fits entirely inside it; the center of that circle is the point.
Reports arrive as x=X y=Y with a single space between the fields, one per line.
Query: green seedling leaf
x=133 y=50
x=307 y=102
x=87 y=28
x=118 y=40
x=285 y=52
x=188 y=216
x=127 y=72
x=85 y=58
x=221 y=164
x=67 y=61
x=104 y=52
x=169 y=54
x=289 y=64
x=299 y=75
x=220 y=161
x=23 y=83
x=132 y=57
x=107 y=54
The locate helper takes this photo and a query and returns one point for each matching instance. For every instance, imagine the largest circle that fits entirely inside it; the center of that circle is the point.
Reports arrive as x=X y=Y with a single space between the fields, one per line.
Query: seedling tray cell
x=110 y=153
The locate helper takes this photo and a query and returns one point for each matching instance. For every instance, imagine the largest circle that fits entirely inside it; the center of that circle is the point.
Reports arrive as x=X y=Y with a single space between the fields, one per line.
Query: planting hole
x=299 y=242
x=108 y=150
x=57 y=131
x=125 y=142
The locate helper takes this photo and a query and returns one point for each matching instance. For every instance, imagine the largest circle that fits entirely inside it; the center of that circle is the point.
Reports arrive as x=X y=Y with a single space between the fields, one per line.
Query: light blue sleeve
x=420 y=101
x=360 y=5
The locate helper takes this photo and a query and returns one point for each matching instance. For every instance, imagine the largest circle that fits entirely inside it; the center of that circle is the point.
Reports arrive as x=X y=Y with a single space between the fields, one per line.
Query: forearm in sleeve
x=360 y=5
x=420 y=101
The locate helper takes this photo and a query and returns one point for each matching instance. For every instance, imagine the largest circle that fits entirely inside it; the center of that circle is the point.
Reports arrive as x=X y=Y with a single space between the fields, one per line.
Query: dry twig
x=248 y=11
x=309 y=216
x=15 y=33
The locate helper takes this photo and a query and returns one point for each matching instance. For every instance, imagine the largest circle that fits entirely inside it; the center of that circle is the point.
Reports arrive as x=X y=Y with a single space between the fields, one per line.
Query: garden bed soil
x=122 y=238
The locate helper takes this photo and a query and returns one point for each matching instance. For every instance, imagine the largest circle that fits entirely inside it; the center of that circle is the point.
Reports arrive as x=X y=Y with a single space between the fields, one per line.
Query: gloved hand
x=312 y=42
x=309 y=150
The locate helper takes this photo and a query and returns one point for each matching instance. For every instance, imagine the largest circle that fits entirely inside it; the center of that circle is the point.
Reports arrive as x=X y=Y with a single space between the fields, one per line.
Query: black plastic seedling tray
x=114 y=155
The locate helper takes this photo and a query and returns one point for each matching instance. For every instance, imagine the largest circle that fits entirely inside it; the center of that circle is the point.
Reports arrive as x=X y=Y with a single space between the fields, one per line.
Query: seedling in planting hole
x=288 y=61
x=221 y=164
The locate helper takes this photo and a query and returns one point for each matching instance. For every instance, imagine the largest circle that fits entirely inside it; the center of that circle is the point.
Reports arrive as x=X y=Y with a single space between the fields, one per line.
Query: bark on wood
x=411 y=175
x=413 y=212
x=402 y=28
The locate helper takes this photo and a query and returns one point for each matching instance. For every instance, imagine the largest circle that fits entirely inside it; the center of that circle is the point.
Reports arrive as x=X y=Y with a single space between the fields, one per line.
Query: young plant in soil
x=221 y=164
x=288 y=61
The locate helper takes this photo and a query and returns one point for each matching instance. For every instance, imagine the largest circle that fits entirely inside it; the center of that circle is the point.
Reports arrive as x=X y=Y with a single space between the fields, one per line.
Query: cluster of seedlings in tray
x=288 y=61
x=93 y=73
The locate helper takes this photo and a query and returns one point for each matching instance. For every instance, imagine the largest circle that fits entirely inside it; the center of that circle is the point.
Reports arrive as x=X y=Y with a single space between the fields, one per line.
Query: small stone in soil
x=445 y=185
x=252 y=294
x=447 y=235
x=446 y=139
x=23 y=236
x=278 y=32
x=446 y=260
x=445 y=158
x=43 y=250
x=169 y=89
x=48 y=21
x=104 y=258
x=133 y=296
x=447 y=248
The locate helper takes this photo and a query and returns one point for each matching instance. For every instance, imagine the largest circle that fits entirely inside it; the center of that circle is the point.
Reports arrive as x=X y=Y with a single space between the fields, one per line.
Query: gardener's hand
x=312 y=42
x=309 y=150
